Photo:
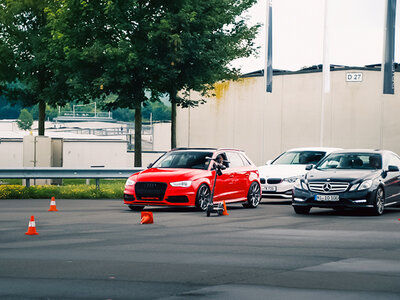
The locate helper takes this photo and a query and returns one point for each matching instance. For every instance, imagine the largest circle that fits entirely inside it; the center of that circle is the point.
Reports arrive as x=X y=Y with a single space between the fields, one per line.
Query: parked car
x=350 y=179
x=185 y=177
x=279 y=175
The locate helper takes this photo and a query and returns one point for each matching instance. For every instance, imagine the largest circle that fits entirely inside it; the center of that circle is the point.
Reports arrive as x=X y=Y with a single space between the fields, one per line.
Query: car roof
x=205 y=149
x=363 y=151
x=325 y=149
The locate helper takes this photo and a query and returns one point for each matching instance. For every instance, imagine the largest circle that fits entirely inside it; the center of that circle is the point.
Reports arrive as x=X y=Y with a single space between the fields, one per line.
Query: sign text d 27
x=354 y=77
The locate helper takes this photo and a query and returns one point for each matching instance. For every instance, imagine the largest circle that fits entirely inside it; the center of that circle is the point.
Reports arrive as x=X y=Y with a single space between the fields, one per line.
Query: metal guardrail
x=63 y=173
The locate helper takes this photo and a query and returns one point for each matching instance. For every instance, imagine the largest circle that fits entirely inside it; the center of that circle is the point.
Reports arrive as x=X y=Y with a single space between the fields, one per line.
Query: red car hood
x=170 y=175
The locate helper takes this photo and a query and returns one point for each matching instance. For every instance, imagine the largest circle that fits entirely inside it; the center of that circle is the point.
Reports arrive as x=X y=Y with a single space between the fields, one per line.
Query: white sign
x=354 y=77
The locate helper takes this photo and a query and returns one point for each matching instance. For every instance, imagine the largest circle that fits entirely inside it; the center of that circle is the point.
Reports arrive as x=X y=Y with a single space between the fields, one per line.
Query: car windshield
x=369 y=161
x=184 y=159
x=299 y=158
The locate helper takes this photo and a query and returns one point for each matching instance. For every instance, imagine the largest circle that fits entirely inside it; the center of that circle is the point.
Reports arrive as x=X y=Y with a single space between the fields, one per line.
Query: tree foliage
x=25 y=120
x=107 y=45
x=26 y=58
x=195 y=42
x=54 y=50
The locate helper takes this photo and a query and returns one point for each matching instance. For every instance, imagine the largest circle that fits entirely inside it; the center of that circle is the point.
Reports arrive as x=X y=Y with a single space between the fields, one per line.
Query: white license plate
x=270 y=188
x=326 y=197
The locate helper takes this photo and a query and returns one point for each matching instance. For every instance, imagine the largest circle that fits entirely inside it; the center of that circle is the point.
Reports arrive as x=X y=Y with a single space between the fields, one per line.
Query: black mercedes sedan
x=368 y=179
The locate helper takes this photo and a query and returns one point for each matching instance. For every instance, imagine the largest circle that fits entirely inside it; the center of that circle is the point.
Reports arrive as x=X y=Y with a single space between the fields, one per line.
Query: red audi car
x=185 y=177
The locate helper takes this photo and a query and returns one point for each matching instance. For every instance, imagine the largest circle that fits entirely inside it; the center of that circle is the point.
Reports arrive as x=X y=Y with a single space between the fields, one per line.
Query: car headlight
x=291 y=179
x=185 y=183
x=297 y=184
x=301 y=185
x=354 y=187
x=365 y=185
x=129 y=182
x=304 y=185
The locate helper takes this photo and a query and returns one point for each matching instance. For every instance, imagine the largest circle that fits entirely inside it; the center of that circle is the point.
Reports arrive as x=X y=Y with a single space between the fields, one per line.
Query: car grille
x=274 y=180
x=328 y=187
x=262 y=180
x=152 y=191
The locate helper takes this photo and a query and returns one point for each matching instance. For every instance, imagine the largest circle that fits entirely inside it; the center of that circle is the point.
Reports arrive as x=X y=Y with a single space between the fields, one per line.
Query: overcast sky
x=355 y=33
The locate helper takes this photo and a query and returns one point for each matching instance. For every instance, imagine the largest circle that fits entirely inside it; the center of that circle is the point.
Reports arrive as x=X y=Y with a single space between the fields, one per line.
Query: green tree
x=107 y=48
x=158 y=110
x=7 y=110
x=195 y=42
x=26 y=57
x=25 y=120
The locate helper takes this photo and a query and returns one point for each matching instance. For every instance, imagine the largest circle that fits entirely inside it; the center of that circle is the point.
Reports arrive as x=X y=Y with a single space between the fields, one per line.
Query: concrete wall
x=80 y=153
x=162 y=136
x=11 y=153
x=77 y=154
x=242 y=115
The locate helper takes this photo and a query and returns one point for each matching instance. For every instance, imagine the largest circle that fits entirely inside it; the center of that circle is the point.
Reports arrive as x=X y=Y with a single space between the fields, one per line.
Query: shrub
x=82 y=191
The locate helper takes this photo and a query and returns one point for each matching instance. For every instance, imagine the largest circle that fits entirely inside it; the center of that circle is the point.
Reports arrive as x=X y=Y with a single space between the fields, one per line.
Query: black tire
x=253 y=196
x=379 y=202
x=203 y=197
x=136 y=208
x=302 y=210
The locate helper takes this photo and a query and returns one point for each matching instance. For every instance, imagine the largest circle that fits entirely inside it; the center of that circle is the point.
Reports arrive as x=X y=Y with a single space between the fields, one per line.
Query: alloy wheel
x=379 y=201
x=254 y=195
x=203 y=196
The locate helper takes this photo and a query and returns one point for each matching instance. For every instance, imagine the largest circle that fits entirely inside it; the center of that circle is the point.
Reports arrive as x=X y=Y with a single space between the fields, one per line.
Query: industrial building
x=355 y=114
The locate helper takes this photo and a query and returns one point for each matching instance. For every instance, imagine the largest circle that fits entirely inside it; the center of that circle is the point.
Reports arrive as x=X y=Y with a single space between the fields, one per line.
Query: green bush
x=80 y=191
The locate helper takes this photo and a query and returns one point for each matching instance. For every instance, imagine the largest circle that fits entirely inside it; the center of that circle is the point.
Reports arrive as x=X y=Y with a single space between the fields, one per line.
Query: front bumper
x=174 y=196
x=356 y=199
x=279 y=190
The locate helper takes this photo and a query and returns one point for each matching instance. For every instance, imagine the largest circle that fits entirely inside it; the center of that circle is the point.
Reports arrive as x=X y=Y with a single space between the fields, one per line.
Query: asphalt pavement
x=97 y=249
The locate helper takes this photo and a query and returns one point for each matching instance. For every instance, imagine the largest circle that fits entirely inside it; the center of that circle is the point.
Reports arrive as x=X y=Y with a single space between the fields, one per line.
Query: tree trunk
x=138 y=135
x=172 y=97
x=42 y=116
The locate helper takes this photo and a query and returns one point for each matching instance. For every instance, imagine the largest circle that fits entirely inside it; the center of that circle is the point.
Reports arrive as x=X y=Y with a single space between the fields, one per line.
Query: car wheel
x=136 y=208
x=302 y=210
x=253 y=196
x=202 y=197
x=379 y=202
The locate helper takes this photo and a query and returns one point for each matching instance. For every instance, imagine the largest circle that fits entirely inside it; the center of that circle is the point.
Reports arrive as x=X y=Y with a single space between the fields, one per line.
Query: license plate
x=326 y=197
x=270 y=188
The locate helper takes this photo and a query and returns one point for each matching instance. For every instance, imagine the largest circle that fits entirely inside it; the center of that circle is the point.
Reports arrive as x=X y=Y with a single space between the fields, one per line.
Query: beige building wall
x=11 y=153
x=95 y=153
x=242 y=115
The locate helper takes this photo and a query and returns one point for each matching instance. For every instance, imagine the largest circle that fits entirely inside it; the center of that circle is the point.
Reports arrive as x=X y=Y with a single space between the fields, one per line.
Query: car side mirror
x=393 y=169
x=309 y=167
x=268 y=162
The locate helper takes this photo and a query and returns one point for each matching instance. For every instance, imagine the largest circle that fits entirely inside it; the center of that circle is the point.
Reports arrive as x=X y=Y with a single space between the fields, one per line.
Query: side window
x=234 y=160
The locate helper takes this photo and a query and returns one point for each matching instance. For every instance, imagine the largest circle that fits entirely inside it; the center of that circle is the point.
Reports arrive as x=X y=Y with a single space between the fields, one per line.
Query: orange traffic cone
x=225 y=212
x=146 y=217
x=32 y=227
x=53 y=205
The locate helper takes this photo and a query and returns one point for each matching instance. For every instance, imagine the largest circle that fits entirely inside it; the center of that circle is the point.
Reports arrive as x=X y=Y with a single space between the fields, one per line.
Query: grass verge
x=111 y=190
